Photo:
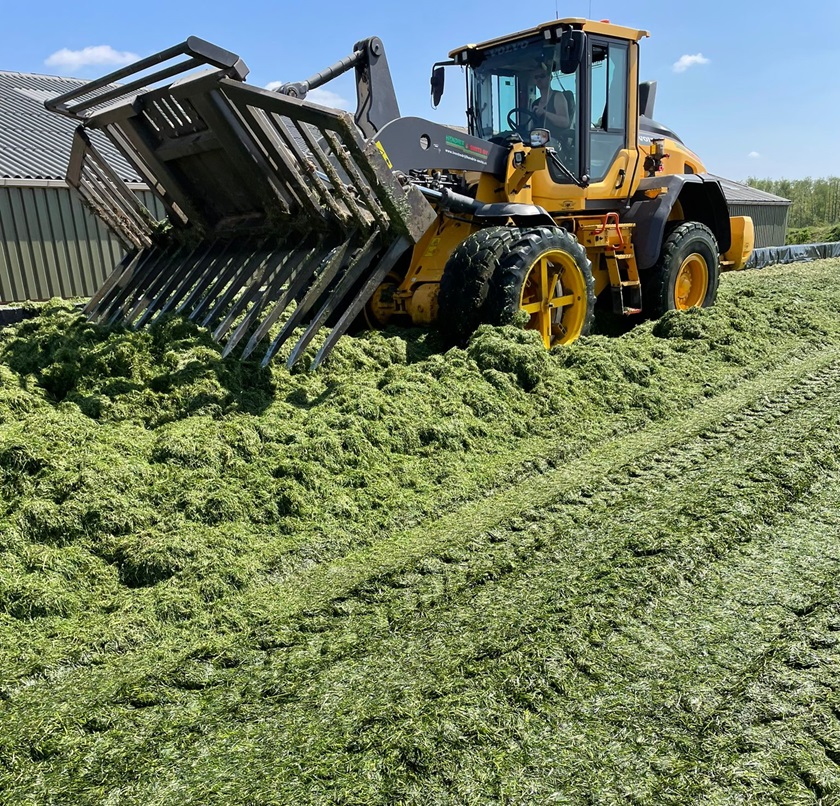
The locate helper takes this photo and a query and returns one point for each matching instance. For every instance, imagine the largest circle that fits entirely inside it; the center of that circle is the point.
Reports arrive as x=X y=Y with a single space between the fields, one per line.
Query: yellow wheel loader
x=285 y=216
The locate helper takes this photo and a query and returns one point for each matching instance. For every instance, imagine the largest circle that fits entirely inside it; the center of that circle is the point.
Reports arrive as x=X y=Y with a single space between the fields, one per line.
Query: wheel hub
x=382 y=305
x=692 y=283
x=554 y=294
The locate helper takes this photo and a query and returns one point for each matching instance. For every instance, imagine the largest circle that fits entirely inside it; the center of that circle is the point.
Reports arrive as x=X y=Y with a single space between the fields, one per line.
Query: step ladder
x=620 y=259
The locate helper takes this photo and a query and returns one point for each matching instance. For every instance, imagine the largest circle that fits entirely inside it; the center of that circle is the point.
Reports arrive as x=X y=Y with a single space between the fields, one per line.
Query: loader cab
x=505 y=90
x=502 y=91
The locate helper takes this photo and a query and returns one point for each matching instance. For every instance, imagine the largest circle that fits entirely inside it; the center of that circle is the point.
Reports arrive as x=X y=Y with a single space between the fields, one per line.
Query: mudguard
x=701 y=198
x=492 y=212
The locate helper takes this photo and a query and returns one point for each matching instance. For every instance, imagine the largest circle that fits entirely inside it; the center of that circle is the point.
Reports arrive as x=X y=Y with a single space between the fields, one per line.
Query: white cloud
x=689 y=60
x=327 y=98
x=754 y=155
x=318 y=96
x=69 y=61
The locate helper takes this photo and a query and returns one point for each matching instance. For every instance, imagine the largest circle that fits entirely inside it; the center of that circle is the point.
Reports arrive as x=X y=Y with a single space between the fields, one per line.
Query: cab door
x=608 y=106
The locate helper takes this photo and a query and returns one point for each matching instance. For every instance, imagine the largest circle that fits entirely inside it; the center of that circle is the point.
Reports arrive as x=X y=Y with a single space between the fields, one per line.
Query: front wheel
x=466 y=281
x=686 y=274
x=547 y=275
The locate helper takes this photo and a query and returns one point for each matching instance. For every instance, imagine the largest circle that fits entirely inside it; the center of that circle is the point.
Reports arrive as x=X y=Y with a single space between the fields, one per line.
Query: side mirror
x=572 y=50
x=437 y=81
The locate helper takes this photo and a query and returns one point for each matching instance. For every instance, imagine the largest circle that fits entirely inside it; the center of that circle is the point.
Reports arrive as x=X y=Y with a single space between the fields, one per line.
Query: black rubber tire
x=466 y=281
x=659 y=282
x=503 y=302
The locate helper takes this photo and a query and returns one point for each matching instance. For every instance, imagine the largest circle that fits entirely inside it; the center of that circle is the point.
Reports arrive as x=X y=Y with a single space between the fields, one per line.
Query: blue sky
x=764 y=99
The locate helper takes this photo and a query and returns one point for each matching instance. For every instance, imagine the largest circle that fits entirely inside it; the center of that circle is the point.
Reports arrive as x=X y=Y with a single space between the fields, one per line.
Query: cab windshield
x=519 y=87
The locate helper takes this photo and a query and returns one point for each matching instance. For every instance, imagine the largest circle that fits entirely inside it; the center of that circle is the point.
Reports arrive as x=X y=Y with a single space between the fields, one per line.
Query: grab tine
x=136 y=284
x=205 y=280
x=273 y=262
x=355 y=308
x=128 y=264
x=246 y=271
x=300 y=277
x=354 y=271
x=171 y=281
x=153 y=289
x=333 y=264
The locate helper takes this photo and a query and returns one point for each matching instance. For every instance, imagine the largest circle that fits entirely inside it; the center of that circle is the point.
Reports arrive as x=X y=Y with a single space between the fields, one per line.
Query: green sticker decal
x=464 y=149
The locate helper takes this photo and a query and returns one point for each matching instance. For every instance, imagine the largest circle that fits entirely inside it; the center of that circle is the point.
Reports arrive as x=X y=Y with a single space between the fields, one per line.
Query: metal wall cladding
x=770 y=221
x=52 y=246
x=768 y=211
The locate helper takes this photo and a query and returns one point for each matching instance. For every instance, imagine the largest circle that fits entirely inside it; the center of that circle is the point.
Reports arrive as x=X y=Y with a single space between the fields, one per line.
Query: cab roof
x=551 y=31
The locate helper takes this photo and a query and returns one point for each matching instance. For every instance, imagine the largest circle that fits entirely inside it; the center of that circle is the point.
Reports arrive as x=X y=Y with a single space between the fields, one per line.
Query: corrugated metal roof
x=34 y=143
x=737 y=192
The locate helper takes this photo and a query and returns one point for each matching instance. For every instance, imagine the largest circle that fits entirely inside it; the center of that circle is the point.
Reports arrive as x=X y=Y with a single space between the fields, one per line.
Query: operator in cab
x=550 y=109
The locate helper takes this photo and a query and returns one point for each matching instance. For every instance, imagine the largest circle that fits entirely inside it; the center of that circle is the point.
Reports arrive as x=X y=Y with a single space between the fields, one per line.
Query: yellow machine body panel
x=590 y=26
x=743 y=242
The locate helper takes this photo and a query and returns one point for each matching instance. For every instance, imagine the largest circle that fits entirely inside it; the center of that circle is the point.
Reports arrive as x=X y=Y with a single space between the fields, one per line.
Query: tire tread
x=656 y=280
x=466 y=281
x=505 y=292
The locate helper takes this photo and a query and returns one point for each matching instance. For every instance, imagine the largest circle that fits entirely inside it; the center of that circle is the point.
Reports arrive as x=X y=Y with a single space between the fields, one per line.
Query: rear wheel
x=686 y=274
x=546 y=274
x=466 y=281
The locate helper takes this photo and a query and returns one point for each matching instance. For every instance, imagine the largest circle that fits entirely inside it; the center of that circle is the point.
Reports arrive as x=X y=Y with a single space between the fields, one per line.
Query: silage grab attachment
x=281 y=217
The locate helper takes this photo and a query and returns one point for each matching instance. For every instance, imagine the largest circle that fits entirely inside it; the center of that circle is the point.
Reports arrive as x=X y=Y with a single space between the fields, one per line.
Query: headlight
x=539 y=137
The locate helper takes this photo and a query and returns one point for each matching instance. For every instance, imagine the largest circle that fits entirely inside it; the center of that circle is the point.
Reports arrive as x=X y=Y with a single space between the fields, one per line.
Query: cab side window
x=608 y=106
x=504 y=97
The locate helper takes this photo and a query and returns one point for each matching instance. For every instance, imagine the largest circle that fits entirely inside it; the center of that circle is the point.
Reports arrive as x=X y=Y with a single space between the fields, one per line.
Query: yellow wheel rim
x=692 y=283
x=554 y=295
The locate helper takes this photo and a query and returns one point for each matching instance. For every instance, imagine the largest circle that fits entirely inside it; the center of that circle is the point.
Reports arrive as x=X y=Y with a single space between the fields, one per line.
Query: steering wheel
x=522 y=128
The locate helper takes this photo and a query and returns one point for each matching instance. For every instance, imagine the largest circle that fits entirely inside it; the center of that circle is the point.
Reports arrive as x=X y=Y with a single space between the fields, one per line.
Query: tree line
x=814 y=214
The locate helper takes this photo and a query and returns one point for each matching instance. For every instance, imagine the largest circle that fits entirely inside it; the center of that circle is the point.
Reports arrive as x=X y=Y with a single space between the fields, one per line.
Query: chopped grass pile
x=164 y=512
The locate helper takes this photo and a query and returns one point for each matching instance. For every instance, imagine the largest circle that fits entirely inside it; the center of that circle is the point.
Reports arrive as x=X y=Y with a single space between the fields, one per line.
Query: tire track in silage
x=372 y=565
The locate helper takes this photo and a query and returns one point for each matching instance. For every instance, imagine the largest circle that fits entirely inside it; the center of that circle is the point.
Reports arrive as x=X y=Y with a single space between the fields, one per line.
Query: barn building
x=50 y=244
x=768 y=212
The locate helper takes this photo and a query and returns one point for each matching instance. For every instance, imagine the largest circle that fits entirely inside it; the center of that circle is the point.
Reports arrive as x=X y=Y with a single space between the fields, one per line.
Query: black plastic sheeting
x=800 y=253
x=8 y=316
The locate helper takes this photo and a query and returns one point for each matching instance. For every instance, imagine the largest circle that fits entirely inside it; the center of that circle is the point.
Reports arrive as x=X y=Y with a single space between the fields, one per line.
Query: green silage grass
x=178 y=622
